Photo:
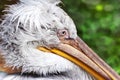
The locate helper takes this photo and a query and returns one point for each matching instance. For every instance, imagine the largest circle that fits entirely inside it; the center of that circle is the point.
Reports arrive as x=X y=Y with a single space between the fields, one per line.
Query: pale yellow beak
x=80 y=54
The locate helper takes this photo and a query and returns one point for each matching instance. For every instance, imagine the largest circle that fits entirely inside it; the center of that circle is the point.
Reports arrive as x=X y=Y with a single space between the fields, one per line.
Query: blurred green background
x=98 y=24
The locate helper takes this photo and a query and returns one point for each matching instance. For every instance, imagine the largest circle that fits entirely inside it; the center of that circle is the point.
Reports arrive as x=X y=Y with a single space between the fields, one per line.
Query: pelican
x=39 y=41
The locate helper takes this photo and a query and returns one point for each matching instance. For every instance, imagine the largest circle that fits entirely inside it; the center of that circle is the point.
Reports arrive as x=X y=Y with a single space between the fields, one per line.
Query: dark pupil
x=63 y=33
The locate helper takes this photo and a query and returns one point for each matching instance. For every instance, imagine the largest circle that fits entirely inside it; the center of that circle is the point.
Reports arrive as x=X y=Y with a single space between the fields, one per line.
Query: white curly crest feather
x=32 y=23
x=50 y=1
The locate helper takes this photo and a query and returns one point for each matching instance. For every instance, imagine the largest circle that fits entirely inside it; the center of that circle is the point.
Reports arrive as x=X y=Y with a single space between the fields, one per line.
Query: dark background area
x=98 y=24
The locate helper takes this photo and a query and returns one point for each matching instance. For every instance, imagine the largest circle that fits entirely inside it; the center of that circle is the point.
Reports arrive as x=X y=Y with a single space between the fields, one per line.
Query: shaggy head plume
x=28 y=24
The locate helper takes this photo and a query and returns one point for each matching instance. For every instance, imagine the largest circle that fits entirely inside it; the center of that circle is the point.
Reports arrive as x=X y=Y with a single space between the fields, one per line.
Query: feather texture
x=49 y=1
x=28 y=24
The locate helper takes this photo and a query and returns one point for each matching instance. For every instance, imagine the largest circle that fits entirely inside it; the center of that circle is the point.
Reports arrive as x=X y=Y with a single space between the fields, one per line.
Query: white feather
x=31 y=23
x=49 y=1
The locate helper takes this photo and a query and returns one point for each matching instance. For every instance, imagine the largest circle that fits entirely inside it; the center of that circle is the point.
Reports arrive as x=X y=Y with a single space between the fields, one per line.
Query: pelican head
x=38 y=41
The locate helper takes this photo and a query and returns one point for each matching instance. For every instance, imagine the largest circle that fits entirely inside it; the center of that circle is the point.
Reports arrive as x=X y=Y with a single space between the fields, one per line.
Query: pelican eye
x=63 y=32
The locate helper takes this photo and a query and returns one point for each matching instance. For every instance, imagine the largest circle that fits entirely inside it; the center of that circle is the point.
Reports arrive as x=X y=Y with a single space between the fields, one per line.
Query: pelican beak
x=79 y=53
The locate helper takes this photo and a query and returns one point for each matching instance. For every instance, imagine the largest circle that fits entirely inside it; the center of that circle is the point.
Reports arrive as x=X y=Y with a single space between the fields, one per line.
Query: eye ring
x=63 y=32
